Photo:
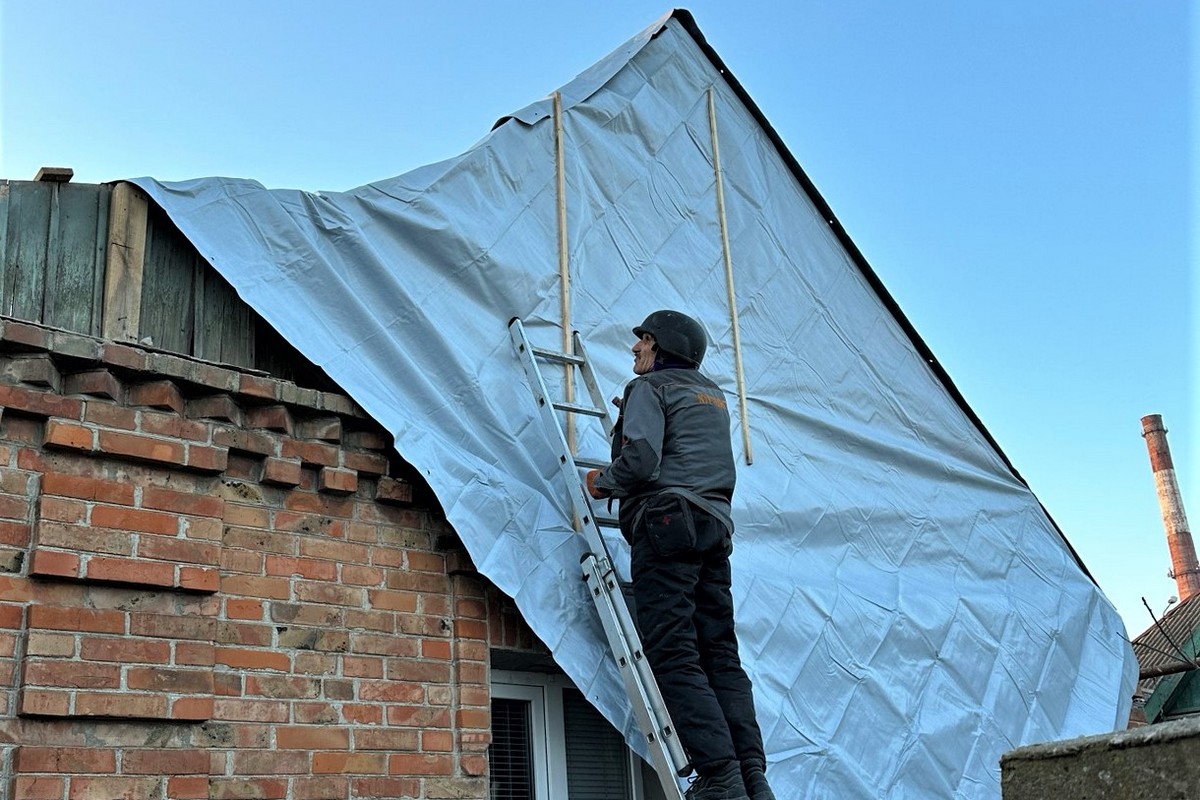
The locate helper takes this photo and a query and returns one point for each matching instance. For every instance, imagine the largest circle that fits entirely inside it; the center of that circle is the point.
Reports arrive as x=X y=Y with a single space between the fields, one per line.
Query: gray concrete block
x=1154 y=762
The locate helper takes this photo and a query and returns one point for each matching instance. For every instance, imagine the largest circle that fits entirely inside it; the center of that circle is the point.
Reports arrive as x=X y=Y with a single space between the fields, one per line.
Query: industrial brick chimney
x=1184 y=567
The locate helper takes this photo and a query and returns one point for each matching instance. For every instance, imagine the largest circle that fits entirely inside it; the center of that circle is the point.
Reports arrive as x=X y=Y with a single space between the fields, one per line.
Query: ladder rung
x=607 y=522
x=590 y=463
x=576 y=408
x=557 y=357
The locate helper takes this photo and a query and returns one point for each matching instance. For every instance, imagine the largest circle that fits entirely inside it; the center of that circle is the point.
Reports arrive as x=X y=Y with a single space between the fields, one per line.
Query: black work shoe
x=756 y=784
x=724 y=785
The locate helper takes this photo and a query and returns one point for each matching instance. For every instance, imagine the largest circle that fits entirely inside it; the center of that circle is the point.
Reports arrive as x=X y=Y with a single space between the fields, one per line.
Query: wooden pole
x=733 y=314
x=564 y=267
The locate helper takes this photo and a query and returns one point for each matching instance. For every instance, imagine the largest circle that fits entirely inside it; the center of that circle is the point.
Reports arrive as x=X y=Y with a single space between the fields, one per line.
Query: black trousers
x=681 y=586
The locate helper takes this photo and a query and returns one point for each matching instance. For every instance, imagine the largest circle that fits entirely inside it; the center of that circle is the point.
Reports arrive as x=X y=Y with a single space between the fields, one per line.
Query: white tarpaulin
x=906 y=609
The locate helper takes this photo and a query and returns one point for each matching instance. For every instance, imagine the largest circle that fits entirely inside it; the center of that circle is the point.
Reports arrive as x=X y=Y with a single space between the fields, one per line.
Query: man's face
x=643 y=355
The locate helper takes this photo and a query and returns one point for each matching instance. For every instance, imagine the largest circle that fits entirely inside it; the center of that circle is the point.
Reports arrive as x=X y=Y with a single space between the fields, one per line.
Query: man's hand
x=595 y=491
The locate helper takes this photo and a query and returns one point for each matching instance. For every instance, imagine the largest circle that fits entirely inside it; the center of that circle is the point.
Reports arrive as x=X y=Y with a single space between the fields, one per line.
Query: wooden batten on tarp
x=126 y=255
x=564 y=263
x=729 y=288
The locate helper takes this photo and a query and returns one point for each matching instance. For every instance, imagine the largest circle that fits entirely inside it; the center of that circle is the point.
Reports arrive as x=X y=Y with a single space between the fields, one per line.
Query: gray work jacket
x=672 y=435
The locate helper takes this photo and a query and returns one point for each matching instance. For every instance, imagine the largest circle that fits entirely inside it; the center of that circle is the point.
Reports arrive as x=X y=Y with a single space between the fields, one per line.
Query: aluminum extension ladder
x=666 y=752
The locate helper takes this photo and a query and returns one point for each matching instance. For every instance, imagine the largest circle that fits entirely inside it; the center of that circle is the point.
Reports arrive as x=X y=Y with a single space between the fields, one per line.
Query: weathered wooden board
x=168 y=286
x=275 y=355
x=5 y=191
x=75 y=256
x=22 y=286
x=125 y=255
x=102 y=260
x=224 y=324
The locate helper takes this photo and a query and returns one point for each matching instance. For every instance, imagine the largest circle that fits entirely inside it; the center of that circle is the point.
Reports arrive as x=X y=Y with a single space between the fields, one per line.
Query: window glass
x=597 y=760
x=510 y=757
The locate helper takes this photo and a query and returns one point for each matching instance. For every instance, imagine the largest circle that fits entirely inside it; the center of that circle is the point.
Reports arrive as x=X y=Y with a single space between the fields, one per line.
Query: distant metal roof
x=1158 y=648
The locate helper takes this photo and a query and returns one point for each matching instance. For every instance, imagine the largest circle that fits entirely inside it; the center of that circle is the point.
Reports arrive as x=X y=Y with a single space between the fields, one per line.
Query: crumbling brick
x=216 y=406
x=337 y=481
x=34 y=370
x=95 y=383
x=157 y=394
x=273 y=418
x=327 y=429
x=282 y=471
x=394 y=491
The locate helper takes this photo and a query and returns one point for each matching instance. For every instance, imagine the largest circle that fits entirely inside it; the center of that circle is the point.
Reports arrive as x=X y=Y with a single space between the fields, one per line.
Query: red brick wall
x=210 y=587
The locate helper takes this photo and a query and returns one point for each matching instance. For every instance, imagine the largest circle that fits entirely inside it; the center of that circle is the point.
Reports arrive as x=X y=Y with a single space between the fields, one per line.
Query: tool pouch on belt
x=668 y=525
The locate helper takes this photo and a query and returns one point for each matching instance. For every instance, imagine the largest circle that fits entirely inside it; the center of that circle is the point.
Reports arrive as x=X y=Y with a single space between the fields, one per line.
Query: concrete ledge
x=1154 y=762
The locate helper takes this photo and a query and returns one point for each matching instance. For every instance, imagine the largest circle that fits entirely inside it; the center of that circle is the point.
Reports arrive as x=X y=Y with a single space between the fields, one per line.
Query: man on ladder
x=673 y=471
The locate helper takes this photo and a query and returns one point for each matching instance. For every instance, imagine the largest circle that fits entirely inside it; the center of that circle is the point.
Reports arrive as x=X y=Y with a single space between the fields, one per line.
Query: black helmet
x=676 y=334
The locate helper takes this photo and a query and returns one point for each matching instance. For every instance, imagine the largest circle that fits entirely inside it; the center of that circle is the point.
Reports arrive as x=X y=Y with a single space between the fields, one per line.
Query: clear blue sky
x=1017 y=173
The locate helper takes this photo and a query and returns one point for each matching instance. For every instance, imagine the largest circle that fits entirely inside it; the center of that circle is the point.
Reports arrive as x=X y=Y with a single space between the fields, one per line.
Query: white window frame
x=549 y=741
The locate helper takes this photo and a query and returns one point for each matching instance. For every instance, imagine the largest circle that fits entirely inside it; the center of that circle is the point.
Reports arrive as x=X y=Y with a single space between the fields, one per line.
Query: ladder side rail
x=577 y=494
x=598 y=401
x=607 y=583
x=666 y=753
x=611 y=581
x=624 y=638
x=593 y=387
